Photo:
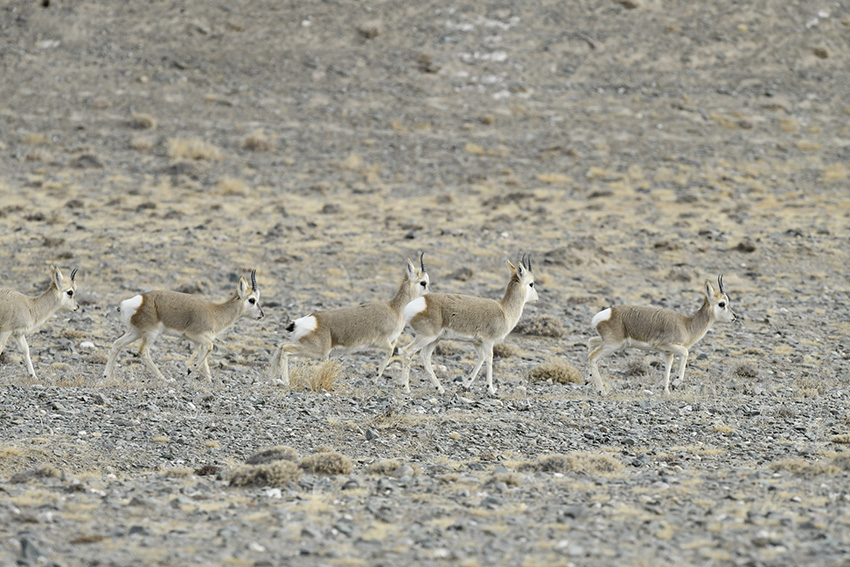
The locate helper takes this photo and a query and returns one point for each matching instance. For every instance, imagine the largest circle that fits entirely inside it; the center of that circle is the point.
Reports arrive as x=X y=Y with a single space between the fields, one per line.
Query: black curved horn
x=422 y=261
x=529 y=263
x=254 y=280
x=720 y=284
x=73 y=274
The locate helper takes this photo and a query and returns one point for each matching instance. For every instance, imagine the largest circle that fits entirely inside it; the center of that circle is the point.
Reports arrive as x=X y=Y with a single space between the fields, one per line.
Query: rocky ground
x=635 y=148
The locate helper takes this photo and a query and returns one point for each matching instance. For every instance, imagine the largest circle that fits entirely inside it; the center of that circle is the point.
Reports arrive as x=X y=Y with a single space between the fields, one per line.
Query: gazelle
x=375 y=324
x=21 y=314
x=478 y=320
x=654 y=328
x=154 y=313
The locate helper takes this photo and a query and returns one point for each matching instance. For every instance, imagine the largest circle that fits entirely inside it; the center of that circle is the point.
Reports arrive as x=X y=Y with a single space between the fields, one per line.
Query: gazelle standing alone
x=654 y=328
x=478 y=320
x=372 y=324
x=155 y=313
x=21 y=314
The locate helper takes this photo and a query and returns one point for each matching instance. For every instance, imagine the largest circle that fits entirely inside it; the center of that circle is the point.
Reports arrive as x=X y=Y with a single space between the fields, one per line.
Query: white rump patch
x=304 y=326
x=603 y=315
x=129 y=308
x=414 y=308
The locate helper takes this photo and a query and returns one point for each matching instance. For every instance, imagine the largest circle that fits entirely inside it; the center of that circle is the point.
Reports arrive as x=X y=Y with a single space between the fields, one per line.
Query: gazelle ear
x=242 y=288
x=57 y=277
x=709 y=291
x=511 y=266
x=410 y=269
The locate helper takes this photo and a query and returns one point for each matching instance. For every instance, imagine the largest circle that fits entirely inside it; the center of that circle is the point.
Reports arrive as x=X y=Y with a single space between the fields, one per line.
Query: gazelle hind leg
x=390 y=348
x=145 y=353
x=416 y=345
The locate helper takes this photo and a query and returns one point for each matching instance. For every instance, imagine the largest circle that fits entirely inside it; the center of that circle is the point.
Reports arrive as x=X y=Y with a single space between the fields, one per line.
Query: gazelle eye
x=70 y=293
x=252 y=301
x=722 y=304
x=423 y=283
x=531 y=284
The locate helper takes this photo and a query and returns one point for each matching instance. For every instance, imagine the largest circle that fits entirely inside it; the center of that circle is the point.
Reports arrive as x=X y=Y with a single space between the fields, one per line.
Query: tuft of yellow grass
x=315 y=378
x=259 y=141
x=279 y=453
x=841 y=438
x=143 y=121
x=273 y=474
x=329 y=463
x=193 y=149
x=231 y=186
x=591 y=463
x=557 y=370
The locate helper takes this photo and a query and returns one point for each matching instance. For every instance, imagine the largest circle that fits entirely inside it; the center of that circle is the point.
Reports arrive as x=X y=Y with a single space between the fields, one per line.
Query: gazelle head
x=719 y=301
x=250 y=299
x=419 y=280
x=66 y=288
x=525 y=277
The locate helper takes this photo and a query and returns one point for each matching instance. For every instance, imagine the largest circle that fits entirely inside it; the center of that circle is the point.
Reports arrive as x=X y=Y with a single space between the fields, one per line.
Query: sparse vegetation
x=274 y=474
x=279 y=453
x=179 y=149
x=590 y=463
x=557 y=370
x=327 y=463
x=315 y=378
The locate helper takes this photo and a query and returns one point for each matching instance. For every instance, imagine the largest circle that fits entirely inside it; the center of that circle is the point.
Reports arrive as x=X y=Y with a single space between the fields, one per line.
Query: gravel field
x=635 y=148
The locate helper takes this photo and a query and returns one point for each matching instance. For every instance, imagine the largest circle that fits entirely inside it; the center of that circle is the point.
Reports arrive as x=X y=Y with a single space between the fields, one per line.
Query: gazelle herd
x=432 y=317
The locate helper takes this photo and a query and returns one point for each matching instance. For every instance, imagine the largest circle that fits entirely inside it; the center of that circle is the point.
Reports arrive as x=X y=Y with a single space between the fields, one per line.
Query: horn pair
x=254 y=280
x=720 y=284
x=526 y=261
x=73 y=274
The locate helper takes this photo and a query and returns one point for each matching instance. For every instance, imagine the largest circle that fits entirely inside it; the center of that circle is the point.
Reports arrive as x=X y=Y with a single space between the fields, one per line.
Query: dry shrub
x=258 y=141
x=273 y=474
x=557 y=370
x=504 y=350
x=448 y=348
x=329 y=463
x=802 y=467
x=141 y=143
x=541 y=326
x=510 y=479
x=591 y=463
x=143 y=121
x=208 y=470
x=192 y=149
x=38 y=473
x=279 y=453
x=636 y=369
x=177 y=472
x=384 y=467
x=842 y=438
x=231 y=186
x=746 y=371
x=316 y=379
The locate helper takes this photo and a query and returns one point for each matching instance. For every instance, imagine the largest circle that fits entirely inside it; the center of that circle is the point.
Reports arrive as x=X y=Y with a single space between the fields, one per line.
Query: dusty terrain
x=636 y=148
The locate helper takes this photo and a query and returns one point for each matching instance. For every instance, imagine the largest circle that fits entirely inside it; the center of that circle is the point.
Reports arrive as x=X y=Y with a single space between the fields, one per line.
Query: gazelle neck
x=405 y=294
x=514 y=300
x=225 y=314
x=699 y=323
x=44 y=305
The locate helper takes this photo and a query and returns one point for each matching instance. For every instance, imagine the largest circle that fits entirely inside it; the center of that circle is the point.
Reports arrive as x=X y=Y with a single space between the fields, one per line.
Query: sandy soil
x=635 y=148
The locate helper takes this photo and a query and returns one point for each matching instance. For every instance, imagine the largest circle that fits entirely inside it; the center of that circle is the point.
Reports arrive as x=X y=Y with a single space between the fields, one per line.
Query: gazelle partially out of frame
x=155 y=313
x=377 y=324
x=654 y=328
x=478 y=320
x=21 y=314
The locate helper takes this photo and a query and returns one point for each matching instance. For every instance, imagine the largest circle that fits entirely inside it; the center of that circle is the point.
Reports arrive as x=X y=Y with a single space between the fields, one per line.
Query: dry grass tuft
x=177 y=472
x=591 y=463
x=541 y=326
x=330 y=463
x=143 y=121
x=274 y=474
x=316 y=379
x=231 y=186
x=208 y=470
x=636 y=369
x=38 y=473
x=841 y=438
x=746 y=371
x=801 y=467
x=558 y=371
x=511 y=479
x=279 y=453
x=505 y=350
x=258 y=141
x=179 y=149
x=384 y=467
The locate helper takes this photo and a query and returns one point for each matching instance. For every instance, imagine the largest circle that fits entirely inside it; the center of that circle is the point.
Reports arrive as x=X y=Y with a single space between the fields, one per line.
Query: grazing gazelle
x=375 y=324
x=21 y=314
x=478 y=320
x=654 y=328
x=151 y=314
